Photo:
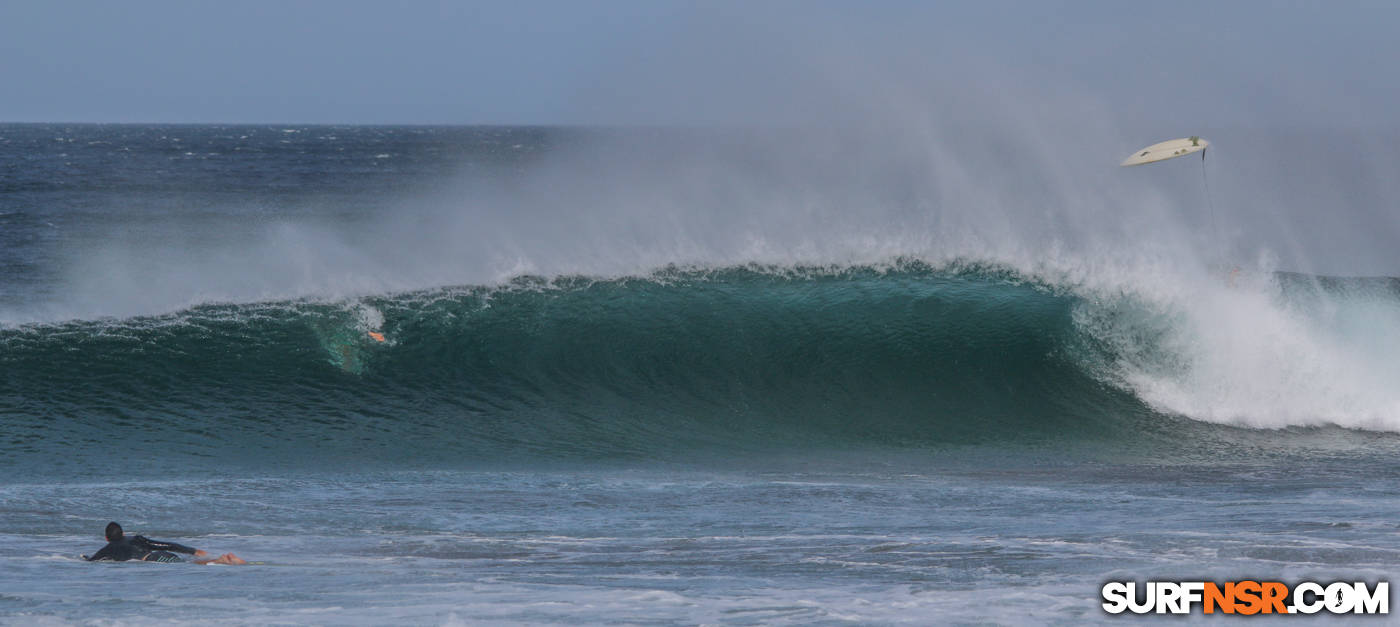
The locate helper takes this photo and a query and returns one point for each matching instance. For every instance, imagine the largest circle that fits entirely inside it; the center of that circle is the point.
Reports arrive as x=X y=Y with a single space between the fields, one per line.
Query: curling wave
x=732 y=359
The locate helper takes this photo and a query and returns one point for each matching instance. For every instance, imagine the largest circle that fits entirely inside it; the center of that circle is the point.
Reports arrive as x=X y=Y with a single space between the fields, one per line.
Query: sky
x=1214 y=64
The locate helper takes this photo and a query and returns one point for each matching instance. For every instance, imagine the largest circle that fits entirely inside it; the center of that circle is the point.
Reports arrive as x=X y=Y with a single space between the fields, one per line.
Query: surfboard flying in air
x=1171 y=149
x=1166 y=150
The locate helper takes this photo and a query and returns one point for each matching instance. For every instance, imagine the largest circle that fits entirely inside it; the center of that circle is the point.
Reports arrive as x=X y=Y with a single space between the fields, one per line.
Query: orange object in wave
x=377 y=336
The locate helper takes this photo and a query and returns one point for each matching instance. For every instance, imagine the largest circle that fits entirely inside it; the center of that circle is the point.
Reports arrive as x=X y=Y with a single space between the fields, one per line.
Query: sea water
x=580 y=416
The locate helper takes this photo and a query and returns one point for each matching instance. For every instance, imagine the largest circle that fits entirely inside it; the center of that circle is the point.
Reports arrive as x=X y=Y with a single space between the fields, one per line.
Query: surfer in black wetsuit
x=121 y=548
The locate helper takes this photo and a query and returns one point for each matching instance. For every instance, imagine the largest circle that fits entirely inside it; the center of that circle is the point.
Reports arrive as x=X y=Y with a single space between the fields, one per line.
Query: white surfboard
x=1166 y=150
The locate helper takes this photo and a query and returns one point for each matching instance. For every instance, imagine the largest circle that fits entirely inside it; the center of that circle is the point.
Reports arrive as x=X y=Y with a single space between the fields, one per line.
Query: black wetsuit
x=140 y=548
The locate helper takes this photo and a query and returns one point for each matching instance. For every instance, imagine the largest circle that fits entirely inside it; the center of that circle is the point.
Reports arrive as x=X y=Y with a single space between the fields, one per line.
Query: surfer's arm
x=102 y=554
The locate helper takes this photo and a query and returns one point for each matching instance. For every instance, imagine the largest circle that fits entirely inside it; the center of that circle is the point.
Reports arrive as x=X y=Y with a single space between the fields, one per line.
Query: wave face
x=733 y=360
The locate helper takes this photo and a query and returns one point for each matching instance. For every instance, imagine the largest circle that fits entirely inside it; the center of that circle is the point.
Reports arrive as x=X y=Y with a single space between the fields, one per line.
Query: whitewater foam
x=1260 y=350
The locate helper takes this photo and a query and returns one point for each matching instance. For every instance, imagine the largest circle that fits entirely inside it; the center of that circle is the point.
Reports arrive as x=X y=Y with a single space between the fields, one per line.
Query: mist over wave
x=594 y=202
x=411 y=209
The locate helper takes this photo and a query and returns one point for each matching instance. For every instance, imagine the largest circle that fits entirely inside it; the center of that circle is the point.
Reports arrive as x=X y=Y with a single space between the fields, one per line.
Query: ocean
x=623 y=384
